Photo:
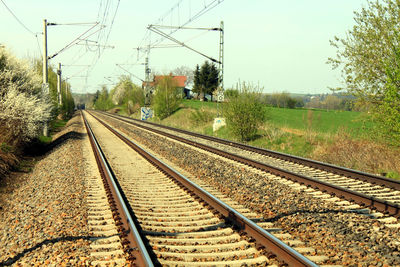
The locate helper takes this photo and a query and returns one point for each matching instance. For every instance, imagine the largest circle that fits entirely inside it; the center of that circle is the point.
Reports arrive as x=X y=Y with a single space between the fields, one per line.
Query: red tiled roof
x=180 y=80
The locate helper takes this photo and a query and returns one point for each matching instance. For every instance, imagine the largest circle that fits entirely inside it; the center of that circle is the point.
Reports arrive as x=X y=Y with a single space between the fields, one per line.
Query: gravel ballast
x=346 y=237
x=43 y=214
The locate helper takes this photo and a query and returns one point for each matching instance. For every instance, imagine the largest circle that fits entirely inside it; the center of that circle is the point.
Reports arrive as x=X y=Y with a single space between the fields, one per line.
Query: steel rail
x=381 y=205
x=262 y=237
x=129 y=233
x=367 y=177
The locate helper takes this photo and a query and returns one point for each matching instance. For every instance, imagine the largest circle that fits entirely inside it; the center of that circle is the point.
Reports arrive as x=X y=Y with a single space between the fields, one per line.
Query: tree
x=245 y=112
x=231 y=93
x=291 y=102
x=104 y=101
x=196 y=81
x=95 y=97
x=370 y=59
x=332 y=102
x=66 y=109
x=206 y=79
x=120 y=92
x=281 y=100
x=68 y=105
x=388 y=112
x=134 y=99
x=166 y=98
x=23 y=106
x=185 y=71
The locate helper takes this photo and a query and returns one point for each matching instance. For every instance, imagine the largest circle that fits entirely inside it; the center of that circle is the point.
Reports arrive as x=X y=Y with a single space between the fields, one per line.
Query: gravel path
x=43 y=214
x=348 y=238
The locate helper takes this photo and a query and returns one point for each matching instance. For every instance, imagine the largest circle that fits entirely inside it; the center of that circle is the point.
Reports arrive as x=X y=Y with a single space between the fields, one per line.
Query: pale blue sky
x=282 y=45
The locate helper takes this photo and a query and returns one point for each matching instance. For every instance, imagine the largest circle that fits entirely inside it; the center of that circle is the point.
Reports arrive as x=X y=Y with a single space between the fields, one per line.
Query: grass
x=338 y=137
x=323 y=121
x=57 y=124
x=20 y=158
x=6 y=148
x=194 y=104
x=54 y=126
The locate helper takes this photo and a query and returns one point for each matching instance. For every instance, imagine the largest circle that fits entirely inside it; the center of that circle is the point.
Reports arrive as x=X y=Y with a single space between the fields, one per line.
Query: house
x=179 y=80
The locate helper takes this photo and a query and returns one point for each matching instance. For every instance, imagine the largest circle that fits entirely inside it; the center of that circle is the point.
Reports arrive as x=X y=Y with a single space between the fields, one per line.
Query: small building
x=179 y=80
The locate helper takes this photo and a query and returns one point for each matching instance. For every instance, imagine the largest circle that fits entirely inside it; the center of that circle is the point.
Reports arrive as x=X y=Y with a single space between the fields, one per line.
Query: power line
x=155 y=29
x=208 y=5
x=26 y=28
x=200 y=10
x=19 y=21
x=76 y=23
x=37 y=41
x=112 y=22
x=72 y=43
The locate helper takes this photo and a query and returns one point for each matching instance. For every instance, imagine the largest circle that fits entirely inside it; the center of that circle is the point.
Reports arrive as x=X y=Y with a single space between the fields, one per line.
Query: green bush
x=201 y=116
x=167 y=98
x=6 y=148
x=103 y=100
x=245 y=112
x=231 y=93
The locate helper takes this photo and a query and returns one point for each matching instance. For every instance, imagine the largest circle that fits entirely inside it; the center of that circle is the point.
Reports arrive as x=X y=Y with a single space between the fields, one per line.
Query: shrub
x=201 y=116
x=245 y=112
x=137 y=96
x=103 y=100
x=359 y=154
x=23 y=107
x=231 y=93
x=166 y=98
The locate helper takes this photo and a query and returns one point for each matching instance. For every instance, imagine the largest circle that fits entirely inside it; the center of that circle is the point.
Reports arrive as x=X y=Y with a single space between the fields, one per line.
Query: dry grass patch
x=363 y=155
x=7 y=161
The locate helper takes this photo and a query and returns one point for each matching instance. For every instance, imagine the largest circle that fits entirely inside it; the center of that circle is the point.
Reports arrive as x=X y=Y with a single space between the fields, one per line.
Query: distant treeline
x=321 y=101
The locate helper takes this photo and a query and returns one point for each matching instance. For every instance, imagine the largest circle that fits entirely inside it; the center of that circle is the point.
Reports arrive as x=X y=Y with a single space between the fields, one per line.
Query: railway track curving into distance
x=166 y=219
x=370 y=191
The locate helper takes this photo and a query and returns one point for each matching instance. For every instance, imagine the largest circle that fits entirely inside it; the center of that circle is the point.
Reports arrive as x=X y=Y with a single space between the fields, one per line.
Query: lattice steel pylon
x=220 y=94
x=221 y=56
x=147 y=79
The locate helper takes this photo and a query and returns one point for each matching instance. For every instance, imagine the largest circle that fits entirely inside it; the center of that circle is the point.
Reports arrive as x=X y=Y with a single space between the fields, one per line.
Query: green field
x=339 y=137
x=322 y=121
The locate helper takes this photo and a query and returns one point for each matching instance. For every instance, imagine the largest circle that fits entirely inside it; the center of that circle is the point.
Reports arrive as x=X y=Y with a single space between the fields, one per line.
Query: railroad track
x=166 y=219
x=380 y=193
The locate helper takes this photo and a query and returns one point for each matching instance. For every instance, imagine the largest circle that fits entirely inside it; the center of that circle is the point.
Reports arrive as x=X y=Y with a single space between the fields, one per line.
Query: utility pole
x=45 y=61
x=59 y=85
x=219 y=121
x=147 y=79
x=45 y=85
x=220 y=95
x=221 y=56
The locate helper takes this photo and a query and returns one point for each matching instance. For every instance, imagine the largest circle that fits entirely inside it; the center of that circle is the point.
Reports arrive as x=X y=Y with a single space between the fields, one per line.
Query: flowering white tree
x=118 y=94
x=121 y=91
x=23 y=107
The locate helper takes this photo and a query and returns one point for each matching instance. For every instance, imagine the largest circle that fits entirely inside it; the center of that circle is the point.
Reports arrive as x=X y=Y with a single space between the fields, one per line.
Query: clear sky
x=280 y=45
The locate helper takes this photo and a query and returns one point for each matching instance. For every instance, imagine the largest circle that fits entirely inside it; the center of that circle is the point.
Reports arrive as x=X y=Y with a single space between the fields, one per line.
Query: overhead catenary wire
x=137 y=77
x=19 y=21
x=72 y=42
x=103 y=22
x=38 y=45
x=207 y=6
x=165 y=35
x=24 y=26
x=101 y=34
x=112 y=22
x=75 y=24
